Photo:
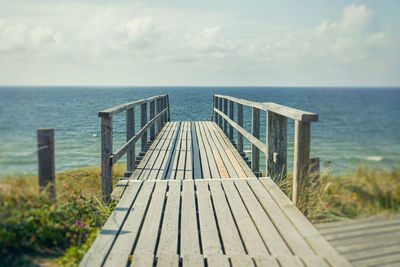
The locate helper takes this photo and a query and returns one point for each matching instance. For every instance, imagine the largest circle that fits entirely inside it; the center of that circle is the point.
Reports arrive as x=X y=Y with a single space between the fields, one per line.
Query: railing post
x=162 y=108
x=158 y=106
x=276 y=146
x=255 y=152
x=143 y=121
x=47 y=181
x=231 y=117
x=226 y=113
x=216 y=115
x=130 y=132
x=169 y=112
x=106 y=152
x=220 y=121
x=213 y=105
x=240 y=122
x=301 y=156
x=152 y=114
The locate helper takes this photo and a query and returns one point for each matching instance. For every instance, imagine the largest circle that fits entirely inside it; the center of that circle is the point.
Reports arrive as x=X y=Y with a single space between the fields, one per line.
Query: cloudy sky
x=208 y=42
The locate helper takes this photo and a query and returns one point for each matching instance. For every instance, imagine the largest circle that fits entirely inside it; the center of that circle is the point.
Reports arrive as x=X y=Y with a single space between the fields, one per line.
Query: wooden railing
x=159 y=114
x=275 y=148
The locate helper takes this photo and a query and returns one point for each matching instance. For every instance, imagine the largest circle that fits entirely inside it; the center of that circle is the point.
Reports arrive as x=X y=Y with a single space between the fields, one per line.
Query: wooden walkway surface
x=193 y=201
x=366 y=242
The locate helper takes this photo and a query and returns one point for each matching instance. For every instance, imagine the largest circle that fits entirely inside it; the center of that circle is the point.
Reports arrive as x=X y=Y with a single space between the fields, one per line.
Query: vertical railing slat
x=276 y=157
x=106 y=152
x=301 y=156
x=226 y=113
x=240 y=122
x=231 y=117
x=152 y=114
x=130 y=132
x=255 y=152
x=220 y=121
x=143 y=121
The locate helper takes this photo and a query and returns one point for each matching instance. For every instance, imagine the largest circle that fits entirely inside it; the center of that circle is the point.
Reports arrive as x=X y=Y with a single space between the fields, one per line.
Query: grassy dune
x=33 y=231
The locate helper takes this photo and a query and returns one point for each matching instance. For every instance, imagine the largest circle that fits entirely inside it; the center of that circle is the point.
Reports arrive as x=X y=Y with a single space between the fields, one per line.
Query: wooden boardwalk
x=366 y=242
x=192 y=200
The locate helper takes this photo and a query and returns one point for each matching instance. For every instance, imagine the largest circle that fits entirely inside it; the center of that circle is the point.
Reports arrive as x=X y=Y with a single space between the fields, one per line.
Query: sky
x=200 y=43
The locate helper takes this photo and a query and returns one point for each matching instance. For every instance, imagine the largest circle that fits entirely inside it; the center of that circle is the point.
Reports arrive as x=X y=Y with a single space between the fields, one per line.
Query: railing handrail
x=108 y=113
x=288 y=112
x=158 y=115
x=275 y=148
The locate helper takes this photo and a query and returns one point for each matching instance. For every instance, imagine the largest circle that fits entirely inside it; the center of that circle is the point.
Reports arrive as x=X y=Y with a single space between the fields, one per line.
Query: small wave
x=374 y=158
x=94 y=135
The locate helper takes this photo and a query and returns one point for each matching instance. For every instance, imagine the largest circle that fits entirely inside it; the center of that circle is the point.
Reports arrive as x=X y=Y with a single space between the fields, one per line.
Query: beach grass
x=34 y=230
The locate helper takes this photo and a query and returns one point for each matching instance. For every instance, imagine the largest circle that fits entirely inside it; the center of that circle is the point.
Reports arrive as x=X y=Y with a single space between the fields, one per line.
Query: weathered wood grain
x=106 y=152
x=301 y=156
x=46 y=168
x=255 y=131
x=276 y=143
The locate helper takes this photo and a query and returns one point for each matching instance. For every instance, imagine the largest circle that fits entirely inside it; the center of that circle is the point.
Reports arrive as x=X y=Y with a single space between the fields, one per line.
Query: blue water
x=357 y=125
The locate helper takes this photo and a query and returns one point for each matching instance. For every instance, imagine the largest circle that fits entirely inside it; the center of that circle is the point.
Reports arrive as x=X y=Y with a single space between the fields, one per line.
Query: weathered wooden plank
x=286 y=229
x=227 y=227
x=142 y=260
x=314 y=261
x=289 y=112
x=208 y=226
x=160 y=139
x=260 y=145
x=248 y=232
x=156 y=152
x=387 y=260
x=255 y=131
x=108 y=113
x=194 y=260
x=101 y=246
x=223 y=162
x=306 y=229
x=264 y=260
x=130 y=132
x=168 y=243
x=106 y=152
x=228 y=144
x=196 y=159
x=189 y=236
x=290 y=261
x=209 y=152
x=241 y=261
x=231 y=117
x=235 y=164
x=276 y=146
x=146 y=243
x=301 y=157
x=119 y=254
x=217 y=261
x=226 y=113
x=203 y=155
x=46 y=168
x=176 y=154
x=143 y=122
x=269 y=230
x=180 y=170
x=166 y=260
x=374 y=253
x=189 y=152
x=240 y=123
x=395 y=229
x=152 y=115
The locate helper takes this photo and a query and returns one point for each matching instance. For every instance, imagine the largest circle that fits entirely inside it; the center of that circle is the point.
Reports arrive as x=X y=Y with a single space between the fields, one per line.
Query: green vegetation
x=366 y=191
x=33 y=231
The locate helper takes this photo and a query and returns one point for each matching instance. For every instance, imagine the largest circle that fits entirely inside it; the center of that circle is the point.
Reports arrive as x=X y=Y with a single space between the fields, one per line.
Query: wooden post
x=47 y=181
x=130 y=132
x=152 y=114
x=255 y=152
x=226 y=113
x=276 y=159
x=169 y=112
x=106 y=152
x=165 y=114
x=143 y=121
x=158 y=106
x=216 y=116
x=240 y=122
x=231 y=117
x=221 y=120
x=301 y=156
x=162 y=108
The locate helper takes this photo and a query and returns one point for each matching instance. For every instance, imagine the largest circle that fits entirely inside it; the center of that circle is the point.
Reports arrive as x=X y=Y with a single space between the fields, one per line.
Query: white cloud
x=143 y=44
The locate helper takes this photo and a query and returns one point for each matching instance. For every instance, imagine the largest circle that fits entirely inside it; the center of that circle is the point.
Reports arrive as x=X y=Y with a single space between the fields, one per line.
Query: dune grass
x=34 y=231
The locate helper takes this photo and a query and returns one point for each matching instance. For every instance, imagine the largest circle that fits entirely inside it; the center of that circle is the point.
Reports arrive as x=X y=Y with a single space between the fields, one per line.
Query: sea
x=356 y=125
